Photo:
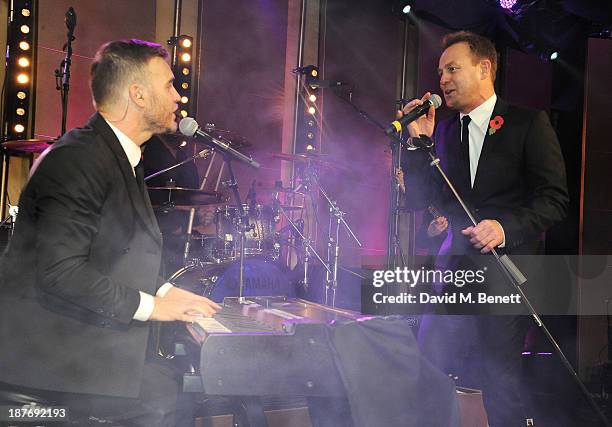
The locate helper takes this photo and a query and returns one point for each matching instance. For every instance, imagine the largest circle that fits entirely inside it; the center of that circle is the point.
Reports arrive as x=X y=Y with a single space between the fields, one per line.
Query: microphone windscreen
x=436 y=101
x=188 y=126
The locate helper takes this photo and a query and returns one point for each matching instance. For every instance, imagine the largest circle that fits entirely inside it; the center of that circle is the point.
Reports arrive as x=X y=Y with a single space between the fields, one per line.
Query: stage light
x=311 y=123
x=314 y=72
x=23 y=78
x=182 y=67
x=183 y=144
x=406 y=9
x=310 y=135
x=507 y=4
x=312 y=98
x=310 y=147
x=312 y=110
x=554 y=56
x=21 y=54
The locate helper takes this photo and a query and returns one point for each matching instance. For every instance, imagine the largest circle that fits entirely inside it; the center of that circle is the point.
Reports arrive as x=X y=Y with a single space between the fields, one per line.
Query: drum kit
x=259 y=234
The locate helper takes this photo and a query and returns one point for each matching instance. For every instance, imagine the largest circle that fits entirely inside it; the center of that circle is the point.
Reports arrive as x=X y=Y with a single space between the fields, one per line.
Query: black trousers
x=156 y=405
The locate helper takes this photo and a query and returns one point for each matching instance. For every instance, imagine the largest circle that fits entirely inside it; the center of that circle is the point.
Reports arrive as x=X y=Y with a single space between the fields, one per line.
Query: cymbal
x=27 y=146
x=316 y=157
x=182 y=197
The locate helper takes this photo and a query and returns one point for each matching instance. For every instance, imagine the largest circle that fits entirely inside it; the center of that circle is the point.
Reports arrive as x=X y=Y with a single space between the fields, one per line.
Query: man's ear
x=485 y=69
x=137 y=95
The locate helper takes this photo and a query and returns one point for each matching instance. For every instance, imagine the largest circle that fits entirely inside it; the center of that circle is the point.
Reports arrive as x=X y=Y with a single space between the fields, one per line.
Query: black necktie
x=139 y=171
x=465 y=146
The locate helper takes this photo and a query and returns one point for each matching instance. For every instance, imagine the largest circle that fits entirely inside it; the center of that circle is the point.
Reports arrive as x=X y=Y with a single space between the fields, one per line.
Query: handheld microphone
x=396 y=126
x=190 y=128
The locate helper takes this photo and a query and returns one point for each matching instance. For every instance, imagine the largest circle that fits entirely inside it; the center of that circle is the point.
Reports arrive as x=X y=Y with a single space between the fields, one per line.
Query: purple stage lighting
x=507 y=4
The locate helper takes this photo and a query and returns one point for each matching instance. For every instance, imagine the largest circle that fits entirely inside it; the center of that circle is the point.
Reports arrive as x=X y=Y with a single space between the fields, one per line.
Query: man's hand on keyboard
x=179 y=304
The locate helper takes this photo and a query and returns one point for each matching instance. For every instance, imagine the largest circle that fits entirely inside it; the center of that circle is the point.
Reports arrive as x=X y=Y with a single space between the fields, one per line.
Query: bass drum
x=219 y=280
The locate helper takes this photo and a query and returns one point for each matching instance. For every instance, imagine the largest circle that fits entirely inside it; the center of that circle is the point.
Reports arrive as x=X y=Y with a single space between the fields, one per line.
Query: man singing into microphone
x=506 y=163
x=79 y=289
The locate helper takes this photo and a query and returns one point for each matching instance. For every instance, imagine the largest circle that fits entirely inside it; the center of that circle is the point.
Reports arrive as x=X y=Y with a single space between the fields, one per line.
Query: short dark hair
x=481 y=47
x=119 y=62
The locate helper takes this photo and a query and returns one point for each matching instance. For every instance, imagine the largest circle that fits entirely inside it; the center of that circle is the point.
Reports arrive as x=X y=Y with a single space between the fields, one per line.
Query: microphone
x=71 y=19
x=396 y=126
x=190 y=128
x=325 y=84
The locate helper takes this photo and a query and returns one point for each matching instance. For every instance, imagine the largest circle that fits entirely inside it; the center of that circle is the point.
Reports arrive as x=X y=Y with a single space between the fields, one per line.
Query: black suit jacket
x=85 y=243
x=520 y=179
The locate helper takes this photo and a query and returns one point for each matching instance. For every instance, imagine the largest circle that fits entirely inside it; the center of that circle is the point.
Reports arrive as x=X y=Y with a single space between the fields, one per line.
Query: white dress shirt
x=133 y=153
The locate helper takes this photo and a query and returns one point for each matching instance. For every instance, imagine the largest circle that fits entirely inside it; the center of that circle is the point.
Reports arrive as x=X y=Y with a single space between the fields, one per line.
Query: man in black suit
x=506 y=163
x=80 y=287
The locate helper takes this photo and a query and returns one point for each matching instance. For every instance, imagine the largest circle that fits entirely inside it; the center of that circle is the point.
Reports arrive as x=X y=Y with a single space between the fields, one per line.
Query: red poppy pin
x=495 y=124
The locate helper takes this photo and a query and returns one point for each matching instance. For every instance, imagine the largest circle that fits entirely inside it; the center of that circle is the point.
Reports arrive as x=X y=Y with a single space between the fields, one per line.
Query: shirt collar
x=132 y=151
x=482 y=114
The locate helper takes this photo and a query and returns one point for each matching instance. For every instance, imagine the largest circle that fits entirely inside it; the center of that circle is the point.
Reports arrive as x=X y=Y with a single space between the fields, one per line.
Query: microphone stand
x=62 y=78
x=202 y=154
x=393 y=239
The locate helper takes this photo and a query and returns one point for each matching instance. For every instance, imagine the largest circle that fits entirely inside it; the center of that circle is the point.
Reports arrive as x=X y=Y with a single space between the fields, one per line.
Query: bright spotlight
x=23 y=78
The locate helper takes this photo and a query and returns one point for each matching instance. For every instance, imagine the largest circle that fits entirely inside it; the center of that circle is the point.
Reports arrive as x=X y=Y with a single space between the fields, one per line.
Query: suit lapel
x=140 y=199
x=489 y=142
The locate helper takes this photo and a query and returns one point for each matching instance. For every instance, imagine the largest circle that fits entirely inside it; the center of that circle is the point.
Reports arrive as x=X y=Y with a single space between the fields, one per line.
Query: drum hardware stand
x=202 y=154
x=333 y=242
x=332 y=280
x=306 y=243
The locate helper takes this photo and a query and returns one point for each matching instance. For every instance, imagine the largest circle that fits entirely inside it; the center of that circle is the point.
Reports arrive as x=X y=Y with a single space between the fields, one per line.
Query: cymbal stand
x=333 y=240
x=305 y=241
